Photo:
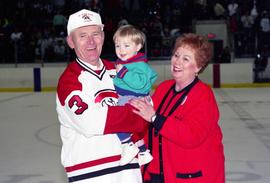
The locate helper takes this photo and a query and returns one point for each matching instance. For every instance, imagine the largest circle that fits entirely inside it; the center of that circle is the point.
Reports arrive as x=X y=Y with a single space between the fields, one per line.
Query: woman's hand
x=143 y=108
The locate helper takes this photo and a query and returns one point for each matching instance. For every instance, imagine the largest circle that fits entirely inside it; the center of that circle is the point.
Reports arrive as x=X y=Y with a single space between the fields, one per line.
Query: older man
x=86 y=106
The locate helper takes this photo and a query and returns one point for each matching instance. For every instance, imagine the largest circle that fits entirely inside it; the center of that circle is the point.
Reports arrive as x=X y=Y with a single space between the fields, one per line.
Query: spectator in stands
x=166 y=41
x=59 y=4
x=200 y=9
x=17 y=40
x=59 y=22
x=264 y=30
x=219 y=11
x=260 y=64
x=122 y=21
x=46 y=44
x=17 y=35
x=247 y=22
x=59 y=50
x=233 y=15
x=167 y=14
x=225 y=56
x=232 y=8
x=248 y=40
x=155 y=36
x=254 y=11
x=96 y=6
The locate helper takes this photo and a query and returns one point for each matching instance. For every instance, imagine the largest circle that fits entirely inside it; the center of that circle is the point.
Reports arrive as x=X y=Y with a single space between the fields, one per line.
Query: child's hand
x=118 y=67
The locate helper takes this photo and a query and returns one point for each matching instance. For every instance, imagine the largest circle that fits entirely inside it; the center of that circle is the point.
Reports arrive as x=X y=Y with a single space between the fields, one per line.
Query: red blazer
x=192 y=146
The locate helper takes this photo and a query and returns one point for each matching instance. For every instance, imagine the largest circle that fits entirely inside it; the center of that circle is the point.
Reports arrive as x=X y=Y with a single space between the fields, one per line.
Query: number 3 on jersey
x=75 y=100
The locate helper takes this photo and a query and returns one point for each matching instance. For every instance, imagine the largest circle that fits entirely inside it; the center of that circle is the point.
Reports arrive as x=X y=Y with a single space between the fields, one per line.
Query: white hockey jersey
x=86 y=106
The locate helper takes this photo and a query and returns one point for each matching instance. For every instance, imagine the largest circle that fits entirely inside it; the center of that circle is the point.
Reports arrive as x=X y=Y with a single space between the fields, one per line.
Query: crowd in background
x=35 y=30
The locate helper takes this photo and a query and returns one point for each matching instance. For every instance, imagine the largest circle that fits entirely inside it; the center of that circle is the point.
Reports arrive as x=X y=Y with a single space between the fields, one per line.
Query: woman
x=185 y=138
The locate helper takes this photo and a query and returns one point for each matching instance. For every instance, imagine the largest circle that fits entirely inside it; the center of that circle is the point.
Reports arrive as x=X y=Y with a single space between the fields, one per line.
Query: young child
x=134 y=79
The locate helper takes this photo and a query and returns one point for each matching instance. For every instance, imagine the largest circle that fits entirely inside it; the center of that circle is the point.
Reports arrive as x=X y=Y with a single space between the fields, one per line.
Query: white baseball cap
x=83 y=18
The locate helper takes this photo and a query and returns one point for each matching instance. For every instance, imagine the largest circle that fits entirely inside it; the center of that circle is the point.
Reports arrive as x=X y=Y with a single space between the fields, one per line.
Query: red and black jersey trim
x=99 y=75
x=103 y=172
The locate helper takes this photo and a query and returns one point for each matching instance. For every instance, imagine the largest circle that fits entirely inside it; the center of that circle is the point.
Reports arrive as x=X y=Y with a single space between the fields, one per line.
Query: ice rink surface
x=30 y=144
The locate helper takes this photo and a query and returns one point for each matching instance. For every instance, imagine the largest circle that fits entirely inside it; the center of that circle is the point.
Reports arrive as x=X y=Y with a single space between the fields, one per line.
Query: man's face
x=87 y=42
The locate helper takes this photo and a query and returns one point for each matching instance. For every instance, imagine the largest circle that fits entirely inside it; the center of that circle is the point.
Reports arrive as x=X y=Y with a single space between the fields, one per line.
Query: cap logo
x=86 y=17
